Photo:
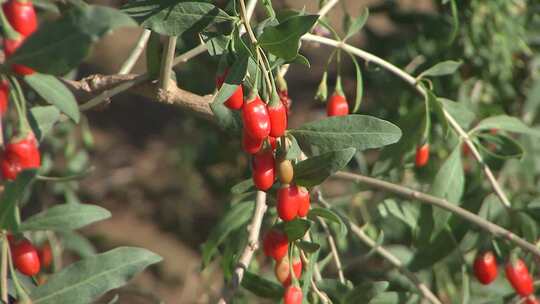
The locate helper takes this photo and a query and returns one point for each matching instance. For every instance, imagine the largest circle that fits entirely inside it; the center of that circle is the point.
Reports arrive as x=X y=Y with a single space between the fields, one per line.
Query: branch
x=387 y=255
x=444 y=204
x=253 y=243
x=412 y=81
x=333 y=249
x=135 y=53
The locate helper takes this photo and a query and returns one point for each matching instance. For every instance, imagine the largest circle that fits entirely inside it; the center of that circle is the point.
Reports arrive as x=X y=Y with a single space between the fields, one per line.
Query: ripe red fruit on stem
x=303 y=201
x=519 y=277
x=4 y=97
x=282 y=270
x=45 y=255
x=255 y=118
x=25 y=257
x=485 y=267
x=263 y=170
x=278 y=119
x=250 y=144
x=293 y=295
x=21 y=15
x=287 y=202
x=236 y=100
x=275 y=244
x=19 y=155
x=422 y=155
x=337 y=106
x=10 y=46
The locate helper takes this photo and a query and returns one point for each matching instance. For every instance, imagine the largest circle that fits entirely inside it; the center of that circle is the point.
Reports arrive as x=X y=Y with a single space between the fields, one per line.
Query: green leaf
x=403 y=212
x=506 y=123
x=42 y=119
x=393 y=297
x=364 y=292
x=237 y=216
x=441 y=69
x=354 y=26
x=308 y=247
x=359 y=85
x=315 y=170
x=283 y=40
x=65 y=217
x=261 y=287
x=499 y=146
x=437 y=108
x=233 y=80
x=459 y=111
x=449 y=184
x=226 y=118
x=329 y=215
x=77 y=243
x=55 y=93
x=294 y=150
x=352 y=131
x=12 y=194
x=82 y=282
x=174 y=18
x=59 y=46
x=243 y=187
x=295 y=229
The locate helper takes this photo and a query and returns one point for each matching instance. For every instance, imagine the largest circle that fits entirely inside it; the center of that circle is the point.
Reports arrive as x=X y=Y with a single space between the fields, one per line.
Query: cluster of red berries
x=26 y=258
x=517 y=273
x=22 y=17
x=20 y=154
x=276 y=246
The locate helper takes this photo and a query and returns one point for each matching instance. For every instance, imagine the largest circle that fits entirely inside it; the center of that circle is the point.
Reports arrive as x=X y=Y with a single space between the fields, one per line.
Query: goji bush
x=436 y=166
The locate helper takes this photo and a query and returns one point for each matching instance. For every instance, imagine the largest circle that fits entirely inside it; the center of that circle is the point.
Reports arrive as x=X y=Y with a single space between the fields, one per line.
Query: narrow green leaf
x=294 y=150
x=237 y=216
x=359 y=85
x=352 y=131
x=243 y=186
x=233 y=80
x=449 y=184
x=315 y=170
x=357 y=24
x=54 y=92
x=65 y=217
x=506 y=123
x=82 y=282
x=174 y=18
x=283 y=40
x=460 y=112
x=42 y=119
x=13 y=192
x=308 y=247
x=261 y=287
x=499 y=146
x=364 y=292
x=441 y=69
x=296 y=229
x=329 y=215
x=77 y=243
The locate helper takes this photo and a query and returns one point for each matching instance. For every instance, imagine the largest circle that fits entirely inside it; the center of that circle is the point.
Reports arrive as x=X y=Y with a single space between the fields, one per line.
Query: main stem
x=167 y=63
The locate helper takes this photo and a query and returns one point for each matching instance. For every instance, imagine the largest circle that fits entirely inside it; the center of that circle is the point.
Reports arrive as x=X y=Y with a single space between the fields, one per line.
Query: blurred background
x=166 y=176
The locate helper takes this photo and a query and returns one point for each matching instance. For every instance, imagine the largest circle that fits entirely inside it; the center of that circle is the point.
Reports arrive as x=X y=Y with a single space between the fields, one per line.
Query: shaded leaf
x=314 y=170
x=54 y=92
x=506 y=123
x=12 y=194
x=460 y=112
x=237 y=216
x=283 y=40
x=262 y=287
x=308 y=247
x=42 y=119
x=77 y=243
x=441 y=69
x=329 y=215
x=295 y=229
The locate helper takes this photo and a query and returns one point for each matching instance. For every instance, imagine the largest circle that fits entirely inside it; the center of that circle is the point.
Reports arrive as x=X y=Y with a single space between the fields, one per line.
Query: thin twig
x=327 y=7
x=4 y=270
x=254 y=229
x=413 y=81
x=387 y=255
x=333 y=249
x=167 y=63
x=135 y=53
x=444 y=204
x=321 y=294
